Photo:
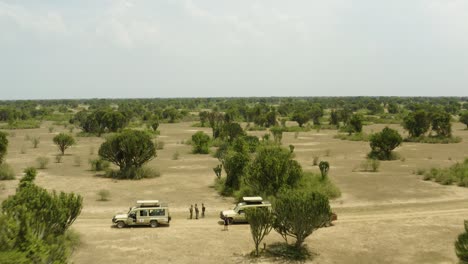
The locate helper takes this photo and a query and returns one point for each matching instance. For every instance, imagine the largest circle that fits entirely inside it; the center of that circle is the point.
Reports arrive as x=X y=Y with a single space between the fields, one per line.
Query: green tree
x=64 y=141
x=3 y=146
x=324 y=166
x=461 y=245
x=231 y=131
x=464 y=119
x=261 y=223
x=272 y=169
x=355 y=124
x=203 y=117
x=277 y=133
x=154 y=124
x=300 y=117
x=393 y=108
x=129 y=150
x=383 y=143
x=298 y=214
x=334 y=118
x=440 y=122
x=316 y=112
x=114 y=121
x=417 y=123
x=200 y=143
x=235 y=163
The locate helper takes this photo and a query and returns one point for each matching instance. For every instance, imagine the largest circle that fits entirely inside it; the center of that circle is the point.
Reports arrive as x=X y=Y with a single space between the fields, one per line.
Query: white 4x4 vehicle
x=146 y=212
x=237 y=215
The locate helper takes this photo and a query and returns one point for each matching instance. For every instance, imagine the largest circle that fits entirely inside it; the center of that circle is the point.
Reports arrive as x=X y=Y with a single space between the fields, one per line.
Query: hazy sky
x=208 y=48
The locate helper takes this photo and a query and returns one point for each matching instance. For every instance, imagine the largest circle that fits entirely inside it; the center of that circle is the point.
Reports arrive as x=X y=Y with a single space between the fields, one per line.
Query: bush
x=99 y=164
x=42 y=162
x=58 y=158
x=311 y=182
x=35 y=141
x=457 y=173
x=353 y=137
x=200 y=143
x=6 y=172
x=103 y=195
x=434 y=140
x=22 y=124
x=371 y=165
x=176 y=155
x=160 y=144
x=134 y=173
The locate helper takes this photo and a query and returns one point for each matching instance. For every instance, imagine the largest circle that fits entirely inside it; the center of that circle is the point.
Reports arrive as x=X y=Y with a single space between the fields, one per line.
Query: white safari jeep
x=146 y=212
x=237 y=215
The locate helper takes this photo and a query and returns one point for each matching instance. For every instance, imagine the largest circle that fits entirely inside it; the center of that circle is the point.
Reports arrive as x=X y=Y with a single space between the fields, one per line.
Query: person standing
x=191 y=211
x=196 y=211
x=226 y=223
x=203 y=208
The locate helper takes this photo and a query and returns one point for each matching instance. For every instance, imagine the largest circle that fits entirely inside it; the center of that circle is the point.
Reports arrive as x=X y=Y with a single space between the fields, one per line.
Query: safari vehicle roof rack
x=148 y=203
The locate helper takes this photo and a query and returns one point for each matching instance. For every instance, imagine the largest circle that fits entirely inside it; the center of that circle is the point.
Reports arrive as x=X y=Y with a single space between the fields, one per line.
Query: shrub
x=103 y=195
x=457 y=173
x=461 y=245
x=42 y=162
x=353 y=137
x=371 y=165
x=58 y=158
x=134 y=173
x=160 y=144
x=51 y=129
x=176 y=155
x=6 y=172
x=311 y=182
x=200 y=143
x=99 y=164
x=315 y=161
x=35 y=141
x=3 y=146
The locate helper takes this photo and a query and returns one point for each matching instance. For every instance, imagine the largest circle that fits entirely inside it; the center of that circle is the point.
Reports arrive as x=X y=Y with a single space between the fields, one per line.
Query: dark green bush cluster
x=34 y=224
x=456 y=174
x=6 y=172
x=99 y=164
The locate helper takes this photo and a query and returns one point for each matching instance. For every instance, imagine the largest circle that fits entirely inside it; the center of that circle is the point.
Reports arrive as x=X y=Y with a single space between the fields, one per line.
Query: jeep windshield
x=238 y=207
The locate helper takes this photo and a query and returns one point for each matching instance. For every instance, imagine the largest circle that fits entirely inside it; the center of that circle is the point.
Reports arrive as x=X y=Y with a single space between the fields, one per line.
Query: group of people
x=197 y=211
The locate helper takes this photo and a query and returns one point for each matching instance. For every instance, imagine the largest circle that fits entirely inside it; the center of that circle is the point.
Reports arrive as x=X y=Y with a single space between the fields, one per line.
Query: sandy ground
x=391 y=216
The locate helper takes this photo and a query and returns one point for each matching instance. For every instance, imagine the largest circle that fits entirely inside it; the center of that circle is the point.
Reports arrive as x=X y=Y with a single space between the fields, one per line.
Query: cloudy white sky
x=207 y=48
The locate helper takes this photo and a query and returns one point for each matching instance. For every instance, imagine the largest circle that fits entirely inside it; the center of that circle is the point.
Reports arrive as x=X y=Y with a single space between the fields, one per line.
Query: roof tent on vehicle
x=252 y=200
x=148 y=203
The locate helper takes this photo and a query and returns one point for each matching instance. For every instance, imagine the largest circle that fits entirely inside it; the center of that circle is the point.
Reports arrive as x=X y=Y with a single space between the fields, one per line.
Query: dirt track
x=391 y=216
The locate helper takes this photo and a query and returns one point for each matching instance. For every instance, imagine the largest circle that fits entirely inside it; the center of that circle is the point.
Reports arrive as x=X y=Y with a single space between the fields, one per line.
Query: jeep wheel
x=230 y=221
x=154 y=223
x=120 y=224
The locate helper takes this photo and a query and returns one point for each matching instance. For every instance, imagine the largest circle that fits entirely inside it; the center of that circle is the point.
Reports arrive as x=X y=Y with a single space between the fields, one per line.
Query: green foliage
x=434 y=140
x=353 y=137
x=35 y=223
x=298 y=214
x=231 y=131
x=35 y=141
x=129 y=150
x=461 y=245
x=99 y=164
x=3 y=146
x=6 y=172
x=218 y=170
x=272 y=169
x=457 y=173
x=383 y=143
x=42 y=162
x=176 y=155
x=417 y=123
x=64 y=141
x=261 y=223
x=355 y=124
x=200 y=143
x=311 y=182
x=22 y=124
x=440 y=122
x=301 y=117
x=277 y=133
x=324 y=166
x=371 y=165
x=464 y=118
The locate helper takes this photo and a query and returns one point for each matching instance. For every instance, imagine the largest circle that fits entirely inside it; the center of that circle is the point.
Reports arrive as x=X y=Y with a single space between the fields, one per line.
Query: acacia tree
x=417 y=123
x=200 y=143
x=129 y=150
x=298 y=214
x=64 y=141
x=383 y=143
x=464 y=119
x=461 y=245
x=272 y=169
x=261 y=223
x=3 y=146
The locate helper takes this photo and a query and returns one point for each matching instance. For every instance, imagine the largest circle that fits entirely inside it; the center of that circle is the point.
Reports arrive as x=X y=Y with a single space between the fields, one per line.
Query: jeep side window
x=143 y=213
x=157 y=212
